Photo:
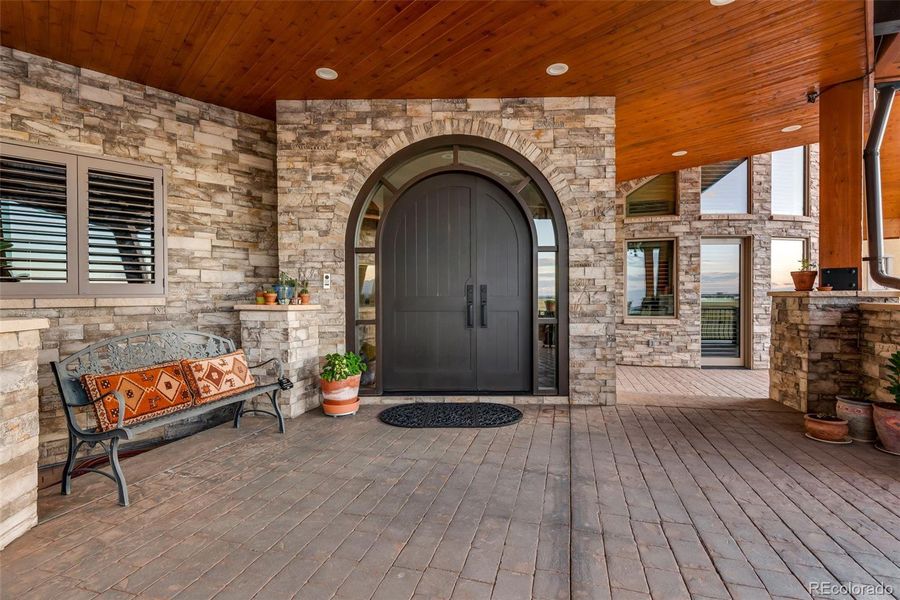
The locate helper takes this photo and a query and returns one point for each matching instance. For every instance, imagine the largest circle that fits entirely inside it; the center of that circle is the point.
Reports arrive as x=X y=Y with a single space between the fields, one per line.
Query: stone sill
x=16 y=325
x=837 y=294
x=650 y=321
x=653 y=219
x=26 y=303
x=728 y=217
x=793 y=218
x=883 y=306
x=279 y=307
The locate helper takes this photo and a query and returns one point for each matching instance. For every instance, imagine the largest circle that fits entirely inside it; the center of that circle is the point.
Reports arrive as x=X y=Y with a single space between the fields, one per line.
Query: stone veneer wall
x=20 y=341
x=327 y=150
x=220 y=200
x=879 y=339
x=816 y=345
x=676 y=342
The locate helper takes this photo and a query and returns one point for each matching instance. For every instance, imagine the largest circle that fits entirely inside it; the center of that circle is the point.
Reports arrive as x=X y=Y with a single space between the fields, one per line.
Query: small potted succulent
x=304 y=291
x=285 y=288
x=887 y=414
x=805 y=278
x=260 y=296
x=340 y=383
x=270 y=297
x=856 y=409
x=826 y=428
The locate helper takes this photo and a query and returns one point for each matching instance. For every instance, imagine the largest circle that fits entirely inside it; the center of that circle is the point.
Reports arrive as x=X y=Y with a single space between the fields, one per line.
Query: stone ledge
x=278 y=307
x=728 y=217
x=793 y=218
x=653 y=219
x=14 y=325
x=650 y=321
x=837 y=294
x=881 y=306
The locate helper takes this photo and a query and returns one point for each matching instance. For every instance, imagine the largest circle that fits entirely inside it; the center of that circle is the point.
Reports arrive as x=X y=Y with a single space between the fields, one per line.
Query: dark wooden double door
x=456 y=289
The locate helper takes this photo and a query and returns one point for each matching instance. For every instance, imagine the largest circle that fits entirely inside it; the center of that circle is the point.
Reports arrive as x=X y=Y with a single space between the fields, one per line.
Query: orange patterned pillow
x=149 y=392
x=219 y=377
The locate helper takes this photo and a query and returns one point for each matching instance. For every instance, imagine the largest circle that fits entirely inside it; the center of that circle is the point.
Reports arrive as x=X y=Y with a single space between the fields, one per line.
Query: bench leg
x=274 y=397
x=237 y=414
x=117 y=471
x=70 y=466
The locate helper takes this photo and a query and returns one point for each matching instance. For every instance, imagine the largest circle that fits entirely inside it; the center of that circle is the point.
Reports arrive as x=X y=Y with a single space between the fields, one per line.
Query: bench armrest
x=121 y=400
x=279 y=367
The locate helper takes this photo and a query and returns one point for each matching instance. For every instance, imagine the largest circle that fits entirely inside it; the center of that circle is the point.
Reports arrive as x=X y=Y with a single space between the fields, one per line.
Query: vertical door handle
x=470 y=306
x=484 y=306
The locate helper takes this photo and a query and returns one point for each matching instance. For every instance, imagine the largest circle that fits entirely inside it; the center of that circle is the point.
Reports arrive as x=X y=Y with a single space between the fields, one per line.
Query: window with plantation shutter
x=79 y=226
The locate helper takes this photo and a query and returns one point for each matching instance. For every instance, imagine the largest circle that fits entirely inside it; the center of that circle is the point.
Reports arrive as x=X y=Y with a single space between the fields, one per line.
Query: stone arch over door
x=328 y=149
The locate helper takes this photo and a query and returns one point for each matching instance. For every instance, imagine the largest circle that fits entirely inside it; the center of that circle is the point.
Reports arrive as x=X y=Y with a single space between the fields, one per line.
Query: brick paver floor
x=658 y=502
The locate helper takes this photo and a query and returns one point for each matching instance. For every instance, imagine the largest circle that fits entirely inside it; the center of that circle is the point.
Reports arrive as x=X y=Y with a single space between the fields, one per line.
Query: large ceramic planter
x=858 y=414
x=887 y=424
x=804 y=280
x=284 y=293
x=340 y=397
x=825 y=428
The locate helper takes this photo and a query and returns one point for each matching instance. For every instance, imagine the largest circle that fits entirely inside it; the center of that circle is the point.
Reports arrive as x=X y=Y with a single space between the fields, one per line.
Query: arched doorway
x=421 y=342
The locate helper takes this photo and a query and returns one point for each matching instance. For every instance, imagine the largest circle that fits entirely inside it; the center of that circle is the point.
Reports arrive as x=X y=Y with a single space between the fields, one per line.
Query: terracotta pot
x=887 y=424
x=829 y=429
x=304 y=298
x=271 y=298
x=858 y=414
x=824 y=288
x=260 y=298
x=804 y=280
x=340 y=397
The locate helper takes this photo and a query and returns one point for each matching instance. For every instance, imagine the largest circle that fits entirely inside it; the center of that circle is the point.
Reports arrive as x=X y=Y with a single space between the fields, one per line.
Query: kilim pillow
x=215 y=378
x=149 y=392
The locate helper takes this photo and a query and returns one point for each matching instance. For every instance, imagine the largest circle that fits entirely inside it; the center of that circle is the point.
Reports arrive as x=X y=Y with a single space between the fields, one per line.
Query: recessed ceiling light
x=790 y=128
x=557 y=69
x=679 y=153
x=326 y=73
x=720 y=2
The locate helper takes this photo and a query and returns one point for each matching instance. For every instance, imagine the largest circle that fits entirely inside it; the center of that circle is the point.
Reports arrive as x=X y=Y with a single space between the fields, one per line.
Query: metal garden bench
x=139 y=350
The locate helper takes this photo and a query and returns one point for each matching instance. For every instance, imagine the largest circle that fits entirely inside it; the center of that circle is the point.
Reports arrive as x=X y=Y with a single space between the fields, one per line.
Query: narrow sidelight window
x=724 y=187
x=650 y=268
x=79 y=226
x=659 y=196
x=789 y=181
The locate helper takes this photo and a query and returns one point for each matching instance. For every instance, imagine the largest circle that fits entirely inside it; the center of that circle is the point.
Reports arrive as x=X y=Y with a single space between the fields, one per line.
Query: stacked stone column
x=289 y=333
x=20 y=342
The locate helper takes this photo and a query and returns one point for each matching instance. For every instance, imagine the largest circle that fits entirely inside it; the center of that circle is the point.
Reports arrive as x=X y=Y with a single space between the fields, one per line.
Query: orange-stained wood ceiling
x=719 y=82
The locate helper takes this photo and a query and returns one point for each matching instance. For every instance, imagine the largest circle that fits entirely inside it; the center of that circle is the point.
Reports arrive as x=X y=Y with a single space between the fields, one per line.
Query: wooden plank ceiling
x=719 y=82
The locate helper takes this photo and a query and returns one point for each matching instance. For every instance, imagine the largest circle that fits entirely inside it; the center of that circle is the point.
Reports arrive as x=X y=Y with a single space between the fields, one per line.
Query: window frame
x=78 y=284
x=806 y=252
x=806 y=185
x=675 y=281
x=750 y=207
x=676 y=204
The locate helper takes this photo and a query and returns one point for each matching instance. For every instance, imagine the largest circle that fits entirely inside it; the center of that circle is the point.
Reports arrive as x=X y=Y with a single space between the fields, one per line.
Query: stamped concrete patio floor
x=655 y=501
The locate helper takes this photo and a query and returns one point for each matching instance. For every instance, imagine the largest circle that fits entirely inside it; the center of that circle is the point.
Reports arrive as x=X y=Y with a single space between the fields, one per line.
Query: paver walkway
x=700 y=388
x=655 y=500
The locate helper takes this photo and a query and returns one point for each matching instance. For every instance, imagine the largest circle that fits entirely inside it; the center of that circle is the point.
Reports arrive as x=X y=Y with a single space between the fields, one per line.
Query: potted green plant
x=826 y=428
x=805 y=278
x=270 y=297
x=340 y=383
x=285 y=288
x=304 y=291
x=887 y=414
x=856 y=409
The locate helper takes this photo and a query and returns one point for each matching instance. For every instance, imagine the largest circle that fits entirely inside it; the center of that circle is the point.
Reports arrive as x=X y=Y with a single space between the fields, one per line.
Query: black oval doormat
x=451 y=414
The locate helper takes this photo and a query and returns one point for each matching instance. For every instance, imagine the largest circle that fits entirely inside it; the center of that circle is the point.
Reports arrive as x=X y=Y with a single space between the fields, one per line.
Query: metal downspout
x=874 y=214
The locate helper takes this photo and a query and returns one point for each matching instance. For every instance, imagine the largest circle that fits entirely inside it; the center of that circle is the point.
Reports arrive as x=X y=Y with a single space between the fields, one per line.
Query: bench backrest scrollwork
x=133 y=351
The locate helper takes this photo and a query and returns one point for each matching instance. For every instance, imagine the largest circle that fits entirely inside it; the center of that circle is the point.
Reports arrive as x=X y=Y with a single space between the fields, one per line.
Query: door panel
x=504 y=264
x=445 y=233
x=426 y=269
x=722 y=285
